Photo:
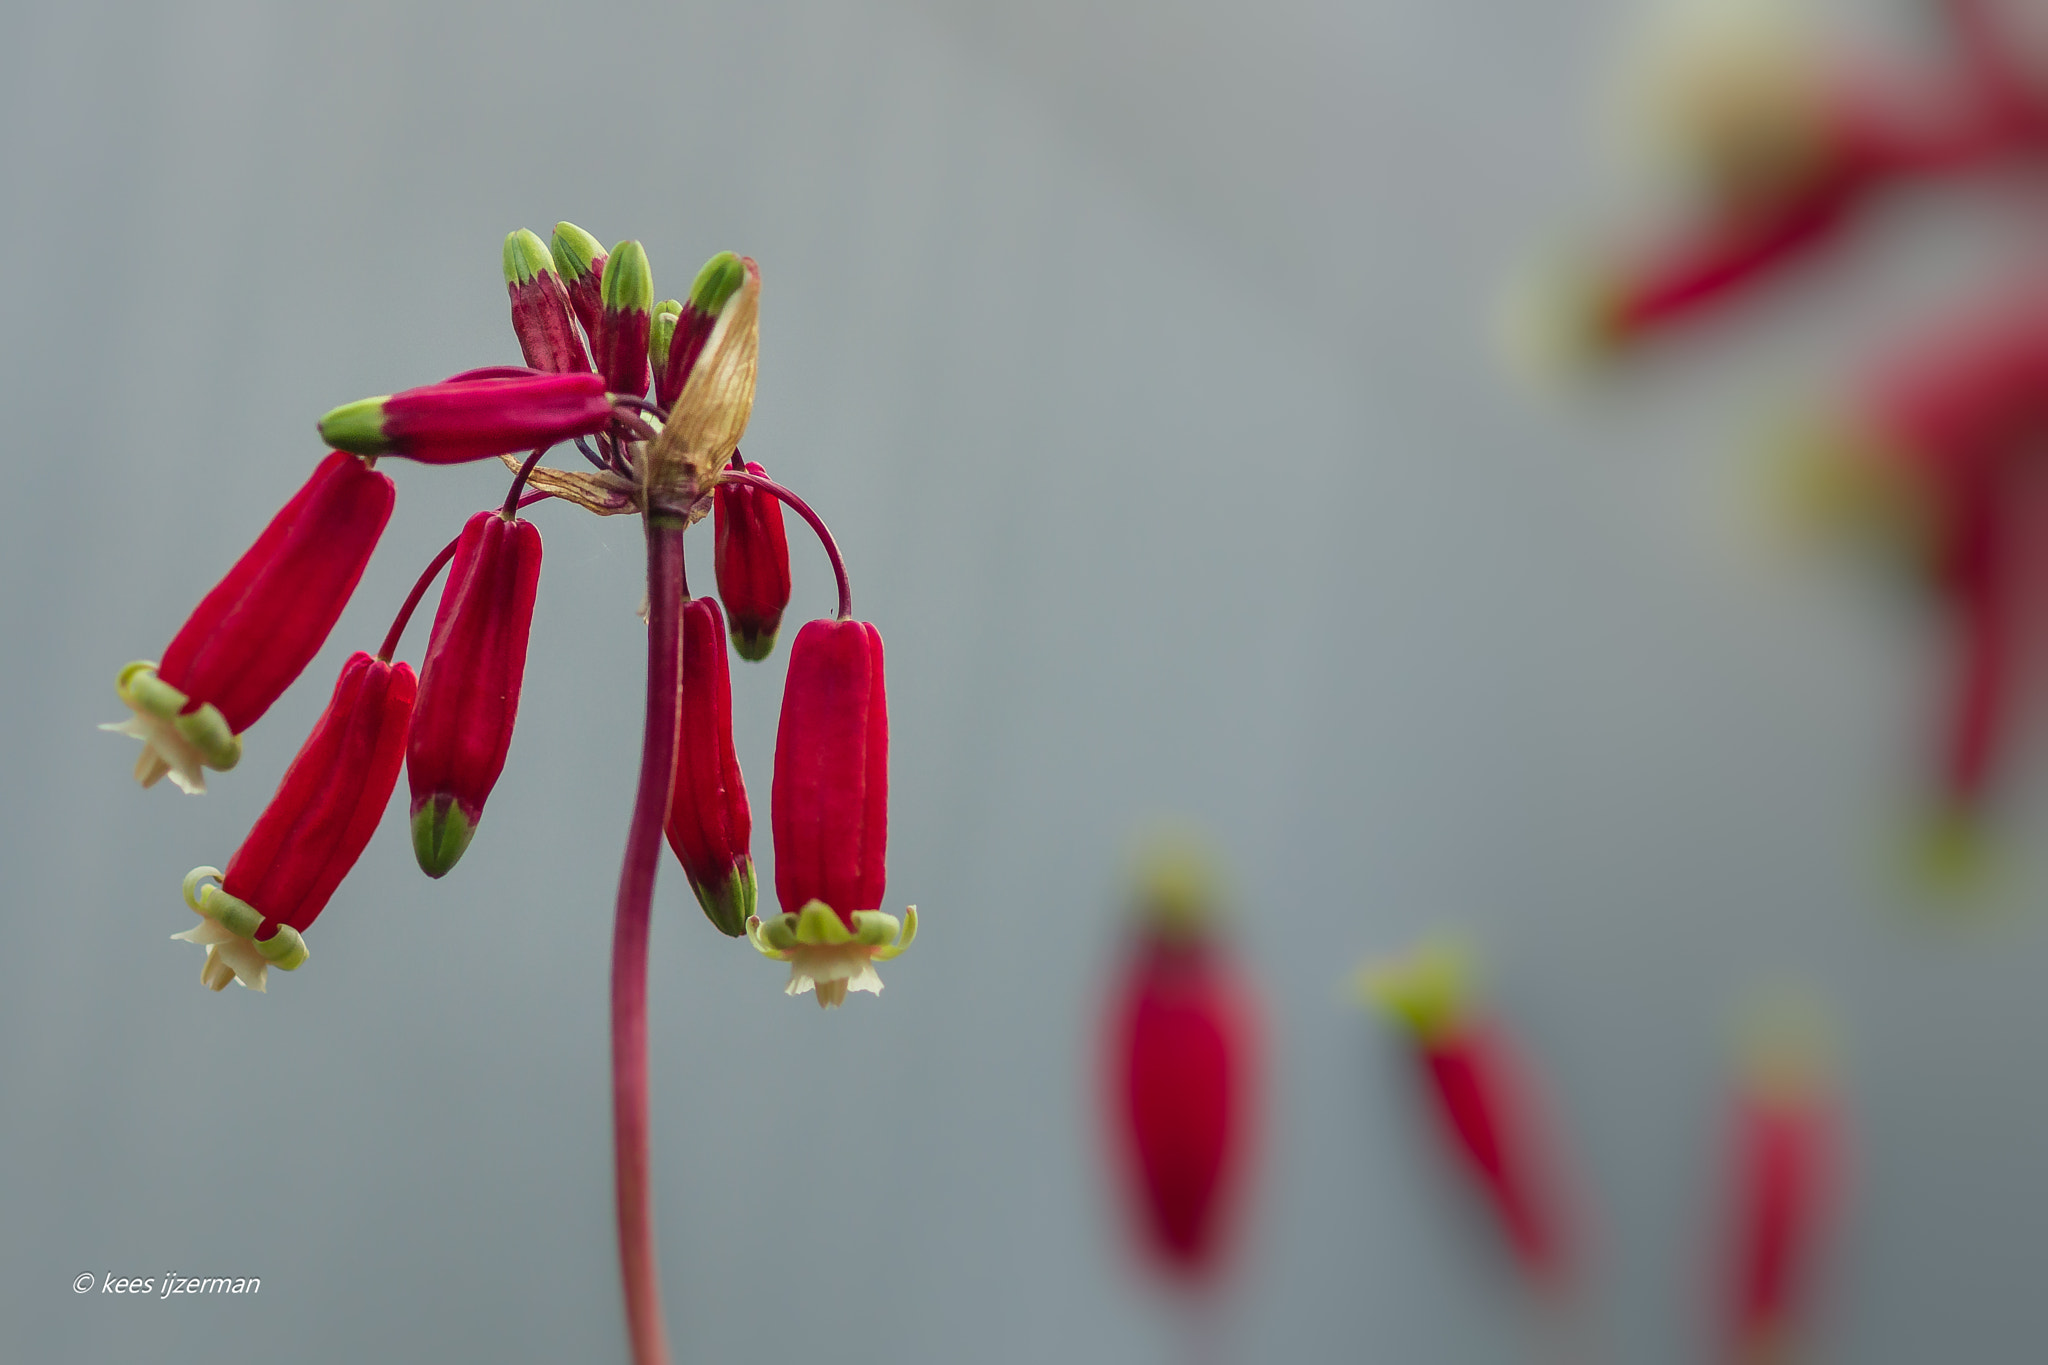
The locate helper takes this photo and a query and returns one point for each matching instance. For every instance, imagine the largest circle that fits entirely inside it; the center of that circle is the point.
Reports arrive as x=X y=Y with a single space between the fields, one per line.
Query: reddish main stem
x=803 y=509
x=426 y=580
x=629 y=941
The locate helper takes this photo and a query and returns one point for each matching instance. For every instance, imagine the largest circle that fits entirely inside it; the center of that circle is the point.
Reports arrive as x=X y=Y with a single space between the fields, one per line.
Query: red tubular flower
x=469 y=684
x=310 y=834
x=541 y=313
x=1183 y=1077
x=256 y=631
x=1483 y=1100
x=1785 y=1163
x=449 y=423
x=829 y=807
x=751 y=557
x=619 y=347
x=708 y=823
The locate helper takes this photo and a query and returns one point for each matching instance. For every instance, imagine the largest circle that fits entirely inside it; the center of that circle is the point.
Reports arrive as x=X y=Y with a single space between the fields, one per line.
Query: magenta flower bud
x=721 y=278
x=252 y=636
x=751 y=558
x=469 y=685
x=709 y=825
x=830 y=810
x=449 y=423
x=619 y=346
x=541 y=313
x=310 y=834
x=579 y=260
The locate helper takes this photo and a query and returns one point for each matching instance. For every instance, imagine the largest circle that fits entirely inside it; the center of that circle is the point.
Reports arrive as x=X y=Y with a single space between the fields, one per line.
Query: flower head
x=469 y=684
x=709 y=825
x=829 y=806
x=310 y=834
x=256 y=631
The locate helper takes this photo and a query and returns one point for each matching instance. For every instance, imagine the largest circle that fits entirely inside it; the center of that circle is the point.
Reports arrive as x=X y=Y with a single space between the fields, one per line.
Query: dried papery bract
x=1483 y=1101
x=1182 y=1070
x=710 y=414
x=469 y=684
x=311 y=833
x=251 y=637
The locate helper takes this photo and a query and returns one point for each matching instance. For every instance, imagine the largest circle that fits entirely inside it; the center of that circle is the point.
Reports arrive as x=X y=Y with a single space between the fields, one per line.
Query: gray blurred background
x=1139 y=356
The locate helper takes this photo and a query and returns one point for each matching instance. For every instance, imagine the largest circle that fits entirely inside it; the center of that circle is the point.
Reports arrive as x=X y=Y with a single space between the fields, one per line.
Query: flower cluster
x=595 y=342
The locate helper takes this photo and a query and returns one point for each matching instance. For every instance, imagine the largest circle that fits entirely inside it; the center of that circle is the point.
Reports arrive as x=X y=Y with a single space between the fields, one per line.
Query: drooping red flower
x=251 y=636
x=1785 y=1166
x=1183 y=1079
x=709 y=825
x=469 y=684
x=453 y=422
x=542 y=316
x=1484 y=1100
x=829 y=807
x=310 y=834
x=751 y=558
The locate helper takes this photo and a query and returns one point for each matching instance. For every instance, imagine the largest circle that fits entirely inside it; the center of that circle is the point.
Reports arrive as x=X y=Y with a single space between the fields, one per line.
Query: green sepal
x=903 y=939
x=206 y=730
x=774 y=938
x=628 y=283
x=1430 y=990
x=718 y=281
x=661 y=332
x=285 y=949
x=730 y=904
x=357 y=427
x=574 y=251
x=526 y=257
x=142 y=689
x=753 y=646
x=440 y=833
x=817 y=926
x=232 y=913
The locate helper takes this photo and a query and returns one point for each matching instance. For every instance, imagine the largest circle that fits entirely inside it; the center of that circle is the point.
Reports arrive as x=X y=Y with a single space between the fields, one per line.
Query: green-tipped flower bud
x=659 y=333
x=526 y=256
x=624 y=320
x=579 y=258
x=440 y=833
x=718 y=281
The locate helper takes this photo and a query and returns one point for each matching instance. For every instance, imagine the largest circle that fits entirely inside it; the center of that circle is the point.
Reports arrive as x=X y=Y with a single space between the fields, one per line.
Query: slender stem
x=629 y=942
x=426 y=579
x=641 y=431
x=803 y=509
x=647 y=406
x=519 y=483
x=590 y=454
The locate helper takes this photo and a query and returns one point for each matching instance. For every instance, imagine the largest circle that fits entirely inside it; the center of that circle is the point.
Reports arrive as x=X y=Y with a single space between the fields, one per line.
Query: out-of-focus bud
x=829 y=808
x=310 y=834
x=714 y=379
x=541 y=312
x=1785 y=1160
x=257 y=630
x=721 y=278
x=709 y=825
x=751 y=558
x=579 y=259
x=450 y=423
x=1482 y=1097
x=660 y=331
x=469 y=685
x=1182 y=1071
x=619 y=348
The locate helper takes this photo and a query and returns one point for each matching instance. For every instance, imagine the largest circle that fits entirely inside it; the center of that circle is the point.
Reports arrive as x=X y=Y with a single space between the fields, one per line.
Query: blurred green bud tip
x=574 y=250
x=728 y=904
x=526 y=257
x=718 y=281
x=751 y=645
x=668 y=308
x=357 y=427
x=440 y=833
x=628 y=284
